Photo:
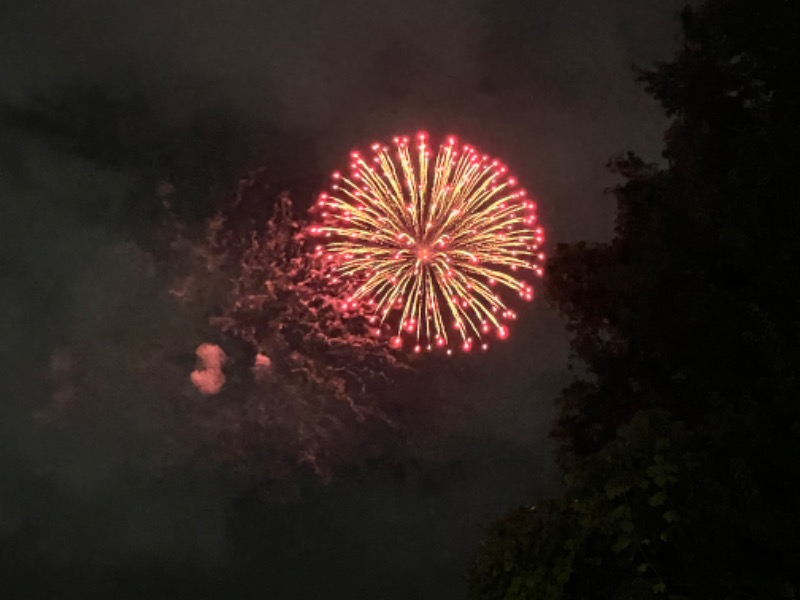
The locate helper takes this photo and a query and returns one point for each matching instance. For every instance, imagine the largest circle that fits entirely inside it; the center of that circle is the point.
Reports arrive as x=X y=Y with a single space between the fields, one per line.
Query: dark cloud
x=547 y=85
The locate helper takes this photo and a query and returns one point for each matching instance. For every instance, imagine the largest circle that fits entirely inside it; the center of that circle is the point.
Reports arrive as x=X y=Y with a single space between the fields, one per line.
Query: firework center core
x=424 y=252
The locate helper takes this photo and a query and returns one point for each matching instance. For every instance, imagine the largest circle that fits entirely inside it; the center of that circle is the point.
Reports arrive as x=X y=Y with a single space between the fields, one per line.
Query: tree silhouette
x=688 y=310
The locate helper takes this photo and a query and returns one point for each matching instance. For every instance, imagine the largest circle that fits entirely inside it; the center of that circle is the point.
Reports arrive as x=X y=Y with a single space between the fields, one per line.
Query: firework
x=433 y=242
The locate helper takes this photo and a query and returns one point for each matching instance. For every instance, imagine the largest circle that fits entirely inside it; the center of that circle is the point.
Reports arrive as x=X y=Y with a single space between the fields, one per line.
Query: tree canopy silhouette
x=687 y=320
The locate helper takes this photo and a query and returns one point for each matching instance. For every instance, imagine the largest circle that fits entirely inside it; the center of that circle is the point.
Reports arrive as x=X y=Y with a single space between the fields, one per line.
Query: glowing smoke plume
x=209 y=378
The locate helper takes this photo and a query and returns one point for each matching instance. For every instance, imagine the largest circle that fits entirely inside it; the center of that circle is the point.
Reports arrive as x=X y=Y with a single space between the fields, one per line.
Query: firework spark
x=432 y=242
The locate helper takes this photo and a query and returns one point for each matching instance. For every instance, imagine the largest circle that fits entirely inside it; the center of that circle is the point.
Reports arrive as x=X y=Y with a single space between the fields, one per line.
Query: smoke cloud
x=208 y=378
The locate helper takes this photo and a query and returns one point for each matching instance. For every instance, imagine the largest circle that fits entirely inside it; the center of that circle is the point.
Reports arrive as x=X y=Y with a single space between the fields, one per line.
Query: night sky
x=546 y=84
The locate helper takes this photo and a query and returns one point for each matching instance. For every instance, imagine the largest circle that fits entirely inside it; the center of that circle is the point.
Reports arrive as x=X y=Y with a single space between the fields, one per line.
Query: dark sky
x=547 y=85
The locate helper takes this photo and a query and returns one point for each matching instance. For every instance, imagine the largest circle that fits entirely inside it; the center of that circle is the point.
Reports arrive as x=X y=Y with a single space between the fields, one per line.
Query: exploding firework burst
x=431 y=242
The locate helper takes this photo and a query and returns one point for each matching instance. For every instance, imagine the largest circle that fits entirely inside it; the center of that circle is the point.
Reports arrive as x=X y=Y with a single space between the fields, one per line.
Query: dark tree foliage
x=618 y=532
x=690 y=309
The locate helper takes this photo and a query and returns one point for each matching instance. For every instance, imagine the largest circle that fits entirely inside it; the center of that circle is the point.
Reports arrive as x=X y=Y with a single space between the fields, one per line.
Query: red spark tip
x=396 y=342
